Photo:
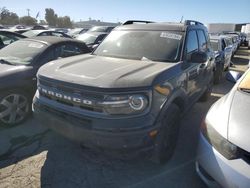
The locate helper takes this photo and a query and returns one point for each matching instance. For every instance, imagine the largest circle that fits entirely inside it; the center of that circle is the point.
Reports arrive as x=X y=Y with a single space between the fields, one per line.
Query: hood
x=239 y=120
x=104 y=72
x=7 y=70
x=218 y=114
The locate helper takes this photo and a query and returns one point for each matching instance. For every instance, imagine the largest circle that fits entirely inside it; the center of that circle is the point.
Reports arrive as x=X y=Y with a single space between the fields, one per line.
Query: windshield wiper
x=6 y=62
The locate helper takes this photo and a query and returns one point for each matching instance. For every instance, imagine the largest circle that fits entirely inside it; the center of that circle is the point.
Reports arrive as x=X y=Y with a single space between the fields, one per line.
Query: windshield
x=21 y=52
x=214 y=45
x=87 y=38
x=142 y=45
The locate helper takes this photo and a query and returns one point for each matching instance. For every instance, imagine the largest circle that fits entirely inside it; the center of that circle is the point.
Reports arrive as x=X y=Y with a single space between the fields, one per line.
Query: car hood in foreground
x=239 y=120
x=230 y=117
x=104 y=72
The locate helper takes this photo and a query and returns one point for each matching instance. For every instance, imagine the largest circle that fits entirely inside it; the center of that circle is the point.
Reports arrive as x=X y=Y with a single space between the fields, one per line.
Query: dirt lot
x=32 y=156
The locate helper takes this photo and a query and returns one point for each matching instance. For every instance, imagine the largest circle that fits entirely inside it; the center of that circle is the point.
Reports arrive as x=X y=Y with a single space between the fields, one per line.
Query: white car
x=223 y=155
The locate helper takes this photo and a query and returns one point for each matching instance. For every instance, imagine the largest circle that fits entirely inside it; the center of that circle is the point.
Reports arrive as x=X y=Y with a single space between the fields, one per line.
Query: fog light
x=153 y=133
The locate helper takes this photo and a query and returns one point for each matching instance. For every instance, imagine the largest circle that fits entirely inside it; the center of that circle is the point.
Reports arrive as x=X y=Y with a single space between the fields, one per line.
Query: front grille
x=85 y=95
x=66 y=89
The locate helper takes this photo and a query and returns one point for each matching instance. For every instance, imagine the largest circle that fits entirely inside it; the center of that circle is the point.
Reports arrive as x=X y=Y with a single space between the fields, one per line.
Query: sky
x=208 y=11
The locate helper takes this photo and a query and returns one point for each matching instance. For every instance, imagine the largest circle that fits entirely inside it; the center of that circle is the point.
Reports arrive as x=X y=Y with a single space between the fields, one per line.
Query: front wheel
x=14 y=107
x=168 y=135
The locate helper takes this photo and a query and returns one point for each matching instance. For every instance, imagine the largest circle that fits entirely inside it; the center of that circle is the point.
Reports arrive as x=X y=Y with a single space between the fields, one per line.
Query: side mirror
x=233 y=76
x=199 y=57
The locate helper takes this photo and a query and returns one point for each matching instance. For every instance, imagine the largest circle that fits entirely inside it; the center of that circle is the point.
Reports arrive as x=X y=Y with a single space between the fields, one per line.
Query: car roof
x=95 y=33
x=14 y=33
x=154 y=26
x=49 y=40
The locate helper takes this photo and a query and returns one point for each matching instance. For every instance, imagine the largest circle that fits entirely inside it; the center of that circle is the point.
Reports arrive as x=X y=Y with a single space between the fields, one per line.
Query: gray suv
x=130 y=93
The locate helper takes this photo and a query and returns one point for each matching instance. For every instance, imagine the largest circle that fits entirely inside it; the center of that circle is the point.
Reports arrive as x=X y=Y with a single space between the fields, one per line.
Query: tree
x=50 y=16
x=28 y=20
x=7 y=17
x=64 y=22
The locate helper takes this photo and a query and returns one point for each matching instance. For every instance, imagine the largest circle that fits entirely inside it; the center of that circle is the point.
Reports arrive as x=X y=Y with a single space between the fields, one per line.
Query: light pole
x=28 y=10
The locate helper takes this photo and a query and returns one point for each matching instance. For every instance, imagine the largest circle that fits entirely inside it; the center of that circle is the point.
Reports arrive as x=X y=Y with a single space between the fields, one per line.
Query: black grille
x=88 y=95
x=66 y=89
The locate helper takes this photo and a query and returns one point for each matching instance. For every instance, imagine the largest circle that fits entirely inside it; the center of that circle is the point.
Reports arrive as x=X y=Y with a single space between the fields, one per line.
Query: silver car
x=223 y=158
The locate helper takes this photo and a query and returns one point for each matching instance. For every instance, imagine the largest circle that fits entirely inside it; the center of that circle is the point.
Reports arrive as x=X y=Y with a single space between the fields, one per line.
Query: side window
x=57 y=34
x=202 y=41
x=192 y=44
x=44 y=34
x=100 y=39
x=67 y=50
x=48 y=55
x=223 y=44
x=8 y=39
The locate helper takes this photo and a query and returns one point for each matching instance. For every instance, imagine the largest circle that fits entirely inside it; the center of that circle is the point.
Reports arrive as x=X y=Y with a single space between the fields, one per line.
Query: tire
x=168 y=135
x=15 y=107
x=218 y=75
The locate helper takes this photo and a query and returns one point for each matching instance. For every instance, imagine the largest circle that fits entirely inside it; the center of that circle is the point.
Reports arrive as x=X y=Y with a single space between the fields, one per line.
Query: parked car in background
x=106 y=29
x=77 y=31
x=223 y=54
x=19 y=29
x=38 y=27
x=19 y=63
x=34 y=33
x=91 y=39
x=235 y=42
x=8 y=37
x=63 y=30
x=223 y=157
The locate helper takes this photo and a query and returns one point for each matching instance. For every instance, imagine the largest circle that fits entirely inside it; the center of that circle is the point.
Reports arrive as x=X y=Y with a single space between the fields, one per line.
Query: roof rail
x=136 y=21
x=192 y=22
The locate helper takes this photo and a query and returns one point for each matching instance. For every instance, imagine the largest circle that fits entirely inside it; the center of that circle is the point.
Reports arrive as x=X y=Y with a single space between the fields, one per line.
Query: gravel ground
x=32 y=156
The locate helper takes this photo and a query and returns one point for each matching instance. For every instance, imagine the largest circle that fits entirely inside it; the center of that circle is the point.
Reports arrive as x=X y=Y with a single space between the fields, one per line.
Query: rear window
x=22 y=51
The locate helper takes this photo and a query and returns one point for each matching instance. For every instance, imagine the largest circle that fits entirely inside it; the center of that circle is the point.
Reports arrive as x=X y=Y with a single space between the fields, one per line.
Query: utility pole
x=28 y=10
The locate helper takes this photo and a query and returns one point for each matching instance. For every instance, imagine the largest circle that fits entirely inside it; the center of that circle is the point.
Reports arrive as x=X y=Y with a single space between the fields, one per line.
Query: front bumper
x=226 y=173
x=87 y=130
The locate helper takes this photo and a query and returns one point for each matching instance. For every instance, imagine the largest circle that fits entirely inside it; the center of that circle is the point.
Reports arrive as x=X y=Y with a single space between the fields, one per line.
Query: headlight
x=222 y=145
x=126 y=104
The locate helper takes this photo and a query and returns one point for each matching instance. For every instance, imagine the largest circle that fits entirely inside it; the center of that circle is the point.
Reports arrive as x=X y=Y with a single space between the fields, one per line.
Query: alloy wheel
x=13 y=108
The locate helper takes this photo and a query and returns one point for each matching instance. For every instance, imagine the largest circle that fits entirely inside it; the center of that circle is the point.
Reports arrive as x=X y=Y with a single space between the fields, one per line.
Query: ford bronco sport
x=130 y=93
